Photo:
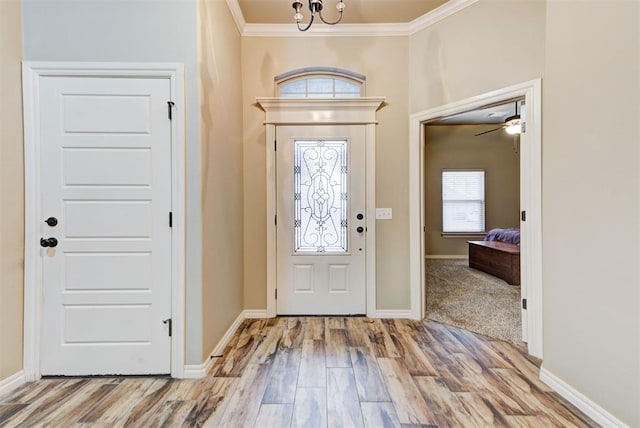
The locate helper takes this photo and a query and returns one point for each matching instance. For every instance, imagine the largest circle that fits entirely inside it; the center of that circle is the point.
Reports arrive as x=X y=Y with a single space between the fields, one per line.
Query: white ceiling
x=487 y=115
x=356 y=11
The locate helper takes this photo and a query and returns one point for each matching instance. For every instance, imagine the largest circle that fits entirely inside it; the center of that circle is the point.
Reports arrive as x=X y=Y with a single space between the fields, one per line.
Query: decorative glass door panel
x=321 y=227
x=320 y=176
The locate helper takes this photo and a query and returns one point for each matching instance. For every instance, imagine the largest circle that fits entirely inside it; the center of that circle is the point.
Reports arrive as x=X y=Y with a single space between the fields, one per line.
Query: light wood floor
x=315 y=372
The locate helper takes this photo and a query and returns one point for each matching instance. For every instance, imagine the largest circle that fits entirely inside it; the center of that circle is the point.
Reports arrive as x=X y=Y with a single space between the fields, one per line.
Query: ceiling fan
x=512 y=125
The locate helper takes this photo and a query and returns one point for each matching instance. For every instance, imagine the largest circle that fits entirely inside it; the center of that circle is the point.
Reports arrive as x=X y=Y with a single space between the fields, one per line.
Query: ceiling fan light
x=513 y=127
x=512 y=124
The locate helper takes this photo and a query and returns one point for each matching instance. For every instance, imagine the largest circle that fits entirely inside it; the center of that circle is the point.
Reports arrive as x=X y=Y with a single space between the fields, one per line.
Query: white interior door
x=321 y=220
x=106 y=179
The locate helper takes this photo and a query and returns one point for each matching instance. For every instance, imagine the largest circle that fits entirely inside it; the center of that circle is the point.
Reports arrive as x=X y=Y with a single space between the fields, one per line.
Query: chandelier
x=315 y=6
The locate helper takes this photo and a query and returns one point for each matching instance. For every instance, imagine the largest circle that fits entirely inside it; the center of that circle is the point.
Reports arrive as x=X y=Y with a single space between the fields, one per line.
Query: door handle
x=359 y=229
x=49 y=242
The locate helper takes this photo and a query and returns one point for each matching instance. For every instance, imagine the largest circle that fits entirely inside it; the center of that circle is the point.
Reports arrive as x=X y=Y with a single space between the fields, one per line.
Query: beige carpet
x=471 y=299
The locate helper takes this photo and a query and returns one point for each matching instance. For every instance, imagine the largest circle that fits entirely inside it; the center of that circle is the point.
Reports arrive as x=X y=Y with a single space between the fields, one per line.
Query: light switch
x=384 y=213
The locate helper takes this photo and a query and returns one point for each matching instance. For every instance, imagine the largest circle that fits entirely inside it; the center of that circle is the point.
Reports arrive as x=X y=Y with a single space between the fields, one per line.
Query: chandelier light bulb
x=298 y=17
x=340 y=6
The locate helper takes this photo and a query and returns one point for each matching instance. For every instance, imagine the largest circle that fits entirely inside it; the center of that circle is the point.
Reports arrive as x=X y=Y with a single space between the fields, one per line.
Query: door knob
x=359 y=229
x=360 y=216
x=50 y=242
x=51 y=221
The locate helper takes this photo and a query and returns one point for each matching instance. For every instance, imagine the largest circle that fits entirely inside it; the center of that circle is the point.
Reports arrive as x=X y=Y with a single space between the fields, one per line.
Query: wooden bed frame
x=496 y=258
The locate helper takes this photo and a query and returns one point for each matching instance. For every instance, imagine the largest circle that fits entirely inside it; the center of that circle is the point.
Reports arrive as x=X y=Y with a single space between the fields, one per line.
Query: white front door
x=106 y=180
x=321 y=220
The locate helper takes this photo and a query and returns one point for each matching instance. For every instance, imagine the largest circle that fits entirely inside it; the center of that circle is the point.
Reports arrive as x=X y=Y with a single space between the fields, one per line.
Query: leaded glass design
x=320 y=196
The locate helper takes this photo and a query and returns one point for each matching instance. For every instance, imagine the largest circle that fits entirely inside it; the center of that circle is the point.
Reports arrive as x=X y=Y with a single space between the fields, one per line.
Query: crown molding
x=436 y=15
x=347 y=30
x=342 y=30
x=238 y=17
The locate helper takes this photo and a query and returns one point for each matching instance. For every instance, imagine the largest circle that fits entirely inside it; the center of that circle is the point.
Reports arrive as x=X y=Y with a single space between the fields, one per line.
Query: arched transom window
x=320 y=82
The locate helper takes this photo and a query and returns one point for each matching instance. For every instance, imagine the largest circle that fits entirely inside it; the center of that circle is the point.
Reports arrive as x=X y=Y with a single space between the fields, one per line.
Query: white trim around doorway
x=31 y=74
x=531 y=197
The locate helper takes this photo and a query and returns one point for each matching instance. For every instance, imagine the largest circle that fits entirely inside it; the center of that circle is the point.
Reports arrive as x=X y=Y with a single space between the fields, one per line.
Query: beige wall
x=11 y=189
x=489 y=45
x=456 y=147
x=591 y=201
x=384 y=61
x=222 y=204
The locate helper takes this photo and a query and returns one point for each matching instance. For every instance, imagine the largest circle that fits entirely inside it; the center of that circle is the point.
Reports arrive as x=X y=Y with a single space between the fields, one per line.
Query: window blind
x=462 y=201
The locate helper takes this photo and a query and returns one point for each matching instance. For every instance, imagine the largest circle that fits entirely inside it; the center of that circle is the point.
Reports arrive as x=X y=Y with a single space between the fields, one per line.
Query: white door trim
x=354 y=111
x=31 y=74
x=531 y=197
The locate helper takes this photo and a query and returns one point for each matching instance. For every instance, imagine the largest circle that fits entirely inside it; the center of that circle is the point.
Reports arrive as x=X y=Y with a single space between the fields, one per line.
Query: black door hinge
x=523 y=215
x=276 y=294
x=170 y=219
x=170 y=105
x=169 y=322
x=524 y=303
x=275 y=219
x=275 y=146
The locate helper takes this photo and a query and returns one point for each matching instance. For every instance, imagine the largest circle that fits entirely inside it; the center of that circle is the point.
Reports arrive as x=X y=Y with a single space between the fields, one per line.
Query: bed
x=498 y=254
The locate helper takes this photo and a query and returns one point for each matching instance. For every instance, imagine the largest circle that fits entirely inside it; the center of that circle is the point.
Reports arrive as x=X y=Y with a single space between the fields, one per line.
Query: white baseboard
x=442 y=257
x=12 y=382
x=197 y=371
x=582 y=402
x=255 y=313
x=394 y=313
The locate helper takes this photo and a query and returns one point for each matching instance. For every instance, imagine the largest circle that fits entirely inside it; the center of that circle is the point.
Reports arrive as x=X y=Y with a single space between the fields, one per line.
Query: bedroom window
x=463 y=201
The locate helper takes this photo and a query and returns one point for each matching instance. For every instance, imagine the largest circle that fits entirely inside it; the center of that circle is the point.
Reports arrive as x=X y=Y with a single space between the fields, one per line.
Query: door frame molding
x=32 y=71
x=531 y=199
x=316 y=112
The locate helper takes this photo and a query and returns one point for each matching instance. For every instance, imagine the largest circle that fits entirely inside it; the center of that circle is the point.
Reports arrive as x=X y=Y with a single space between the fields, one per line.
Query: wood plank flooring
x=317 y=372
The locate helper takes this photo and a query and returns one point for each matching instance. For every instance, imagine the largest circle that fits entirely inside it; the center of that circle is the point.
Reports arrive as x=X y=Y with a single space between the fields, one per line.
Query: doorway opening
x=472 y=206
x=530 y=201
